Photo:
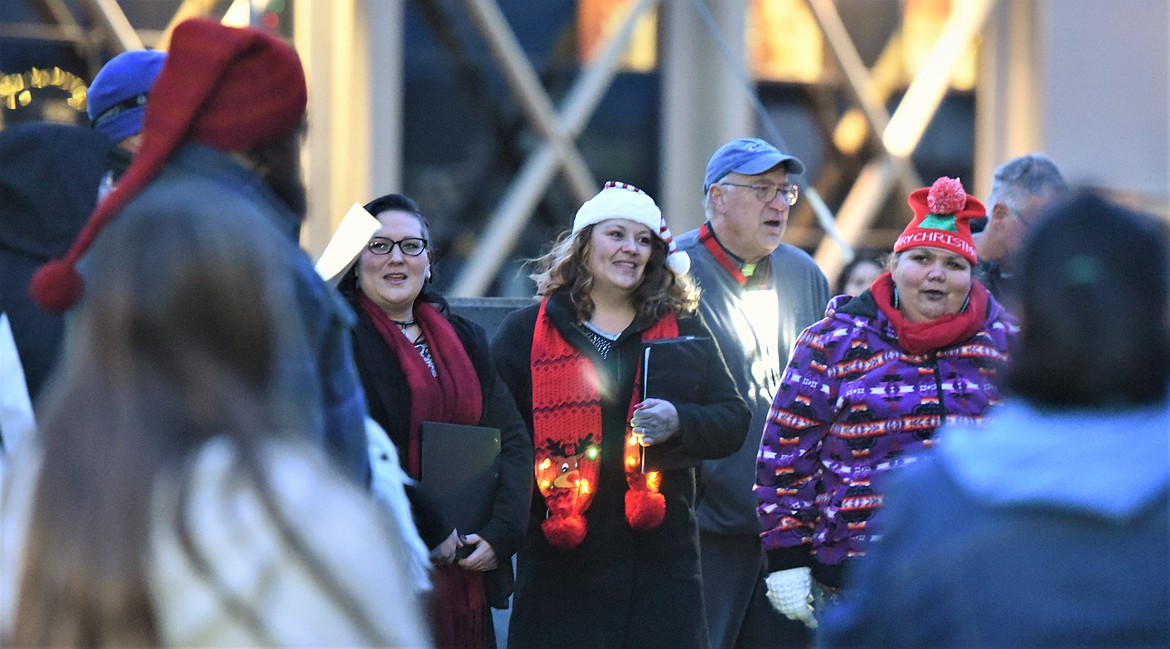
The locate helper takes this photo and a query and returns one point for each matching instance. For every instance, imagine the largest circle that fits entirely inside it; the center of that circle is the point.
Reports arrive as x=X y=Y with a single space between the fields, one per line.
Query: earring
x=427 y=275
x=895 y=297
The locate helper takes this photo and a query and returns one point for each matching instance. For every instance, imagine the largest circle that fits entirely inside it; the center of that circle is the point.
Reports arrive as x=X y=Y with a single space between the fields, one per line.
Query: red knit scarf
x=707 y=238
x=454 y=396
x=566 y=418
x=923 y=337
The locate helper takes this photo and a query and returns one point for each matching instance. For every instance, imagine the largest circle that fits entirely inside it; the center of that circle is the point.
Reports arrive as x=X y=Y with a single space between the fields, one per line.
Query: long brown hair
x=564 y=267
x=179 y=339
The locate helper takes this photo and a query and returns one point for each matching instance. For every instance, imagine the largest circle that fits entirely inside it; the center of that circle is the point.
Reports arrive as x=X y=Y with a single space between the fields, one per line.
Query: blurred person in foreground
x=223 y=127
x=1049 y=527
x=1020 y=189
x=419 y=362
x=611 y=557
x=116 y=104
x=758 y=293
x=172 y=497
x=865 y=392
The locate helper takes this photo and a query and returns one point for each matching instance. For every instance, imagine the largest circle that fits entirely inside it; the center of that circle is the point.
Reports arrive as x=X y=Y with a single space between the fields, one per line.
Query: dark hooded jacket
x=49 y=182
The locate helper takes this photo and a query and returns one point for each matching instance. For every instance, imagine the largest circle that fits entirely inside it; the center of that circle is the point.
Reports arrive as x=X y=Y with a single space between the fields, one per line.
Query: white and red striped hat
x=618 y=200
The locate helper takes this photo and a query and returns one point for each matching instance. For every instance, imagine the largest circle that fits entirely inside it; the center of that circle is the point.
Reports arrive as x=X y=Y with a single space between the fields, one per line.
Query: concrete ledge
x=488 y=312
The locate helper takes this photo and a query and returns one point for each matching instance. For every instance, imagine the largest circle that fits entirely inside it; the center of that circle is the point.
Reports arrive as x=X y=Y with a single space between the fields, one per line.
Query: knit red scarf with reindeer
x=566 y=418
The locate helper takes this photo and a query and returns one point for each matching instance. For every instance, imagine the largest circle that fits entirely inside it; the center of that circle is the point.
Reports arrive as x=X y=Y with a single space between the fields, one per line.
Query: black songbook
x=460 y=467
x=673 y=369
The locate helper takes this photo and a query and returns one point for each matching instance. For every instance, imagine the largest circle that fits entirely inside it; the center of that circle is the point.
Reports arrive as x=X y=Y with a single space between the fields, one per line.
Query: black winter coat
x=620 y=587
x=389 y=396
x=48 y=186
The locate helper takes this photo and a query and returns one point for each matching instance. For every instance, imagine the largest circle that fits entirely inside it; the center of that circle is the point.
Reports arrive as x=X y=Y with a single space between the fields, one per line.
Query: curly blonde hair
x=661 y=291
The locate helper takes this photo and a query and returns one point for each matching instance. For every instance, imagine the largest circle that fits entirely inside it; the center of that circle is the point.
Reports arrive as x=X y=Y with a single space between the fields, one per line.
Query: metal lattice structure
x=352 y=51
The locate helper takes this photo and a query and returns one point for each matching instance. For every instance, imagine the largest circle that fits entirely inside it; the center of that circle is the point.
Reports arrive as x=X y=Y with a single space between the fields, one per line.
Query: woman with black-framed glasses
x=418 y=362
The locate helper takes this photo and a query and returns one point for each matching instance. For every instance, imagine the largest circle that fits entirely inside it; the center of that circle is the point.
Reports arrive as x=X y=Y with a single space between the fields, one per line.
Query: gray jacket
x=756 y=346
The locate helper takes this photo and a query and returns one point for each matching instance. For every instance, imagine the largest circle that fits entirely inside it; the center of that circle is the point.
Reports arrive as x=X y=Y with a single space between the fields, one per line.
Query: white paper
x=16 y=413
x=347 y=242
x=388 y=487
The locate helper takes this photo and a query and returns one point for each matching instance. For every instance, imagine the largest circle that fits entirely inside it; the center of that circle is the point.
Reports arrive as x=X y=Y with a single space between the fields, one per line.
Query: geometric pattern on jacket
x=851 y=406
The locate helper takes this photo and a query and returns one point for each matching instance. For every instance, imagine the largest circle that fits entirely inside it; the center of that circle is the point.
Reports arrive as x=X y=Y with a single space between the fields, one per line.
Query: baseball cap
x=116 y=100
x=749 y=155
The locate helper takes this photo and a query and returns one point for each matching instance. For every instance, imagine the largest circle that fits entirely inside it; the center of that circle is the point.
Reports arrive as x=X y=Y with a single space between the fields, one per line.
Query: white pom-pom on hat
x=618 y=200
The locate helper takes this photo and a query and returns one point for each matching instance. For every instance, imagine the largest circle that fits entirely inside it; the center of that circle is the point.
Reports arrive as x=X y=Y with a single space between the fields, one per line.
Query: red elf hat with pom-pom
x=942 y=219
x=227 y=87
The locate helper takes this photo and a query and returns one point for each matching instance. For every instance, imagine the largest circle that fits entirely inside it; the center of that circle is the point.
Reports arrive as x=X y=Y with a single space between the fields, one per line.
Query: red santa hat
x=942 y=219
x=227 y=87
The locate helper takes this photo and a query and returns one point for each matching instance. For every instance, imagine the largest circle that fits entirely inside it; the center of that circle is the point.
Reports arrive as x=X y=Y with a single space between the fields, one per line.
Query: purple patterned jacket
x=851 y=406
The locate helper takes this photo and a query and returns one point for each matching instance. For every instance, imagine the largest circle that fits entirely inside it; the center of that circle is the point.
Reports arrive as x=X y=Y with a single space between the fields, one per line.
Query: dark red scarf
x=923 y=337
x=707 y=238
x=454 y=396
x=566 y=422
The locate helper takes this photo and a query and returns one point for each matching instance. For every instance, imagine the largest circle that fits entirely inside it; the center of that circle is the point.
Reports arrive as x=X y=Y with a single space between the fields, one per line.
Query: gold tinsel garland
x=15 y=89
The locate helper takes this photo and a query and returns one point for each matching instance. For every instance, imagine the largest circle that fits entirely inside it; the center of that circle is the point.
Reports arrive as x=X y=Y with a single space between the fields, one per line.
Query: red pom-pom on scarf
x=564 y=532
x=645 y=510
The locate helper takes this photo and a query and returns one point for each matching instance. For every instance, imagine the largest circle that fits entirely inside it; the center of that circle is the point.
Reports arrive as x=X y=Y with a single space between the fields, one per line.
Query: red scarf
x=566 y=420
x=454 y=396
x=707 y=238
x=923 y=337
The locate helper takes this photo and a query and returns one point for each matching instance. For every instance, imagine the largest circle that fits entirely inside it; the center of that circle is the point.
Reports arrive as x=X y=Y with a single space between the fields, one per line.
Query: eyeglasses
x=410 y=246
x=767 y=193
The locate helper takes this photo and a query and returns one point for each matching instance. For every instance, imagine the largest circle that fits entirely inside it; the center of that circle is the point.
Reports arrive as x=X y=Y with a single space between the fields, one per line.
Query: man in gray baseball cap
x=758 y=294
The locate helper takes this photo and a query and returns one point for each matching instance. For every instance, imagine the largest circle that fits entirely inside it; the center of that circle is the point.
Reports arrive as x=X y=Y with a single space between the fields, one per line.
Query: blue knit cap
x=117 y=97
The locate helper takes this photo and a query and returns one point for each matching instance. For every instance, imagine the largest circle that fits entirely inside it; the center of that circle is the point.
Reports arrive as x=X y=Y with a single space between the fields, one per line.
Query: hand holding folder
x=673 y=369
x=460 y=468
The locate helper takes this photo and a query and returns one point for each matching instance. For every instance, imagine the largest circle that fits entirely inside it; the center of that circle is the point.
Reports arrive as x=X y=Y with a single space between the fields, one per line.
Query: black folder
x=674 y=368
x=460 y=467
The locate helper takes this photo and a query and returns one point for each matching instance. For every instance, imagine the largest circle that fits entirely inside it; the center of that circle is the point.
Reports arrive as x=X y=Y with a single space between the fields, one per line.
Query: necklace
x=589 y=324
x=402 y=324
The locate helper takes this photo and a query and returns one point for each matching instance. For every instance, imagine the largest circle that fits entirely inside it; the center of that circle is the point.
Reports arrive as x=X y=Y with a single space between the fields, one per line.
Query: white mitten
x=790 y=592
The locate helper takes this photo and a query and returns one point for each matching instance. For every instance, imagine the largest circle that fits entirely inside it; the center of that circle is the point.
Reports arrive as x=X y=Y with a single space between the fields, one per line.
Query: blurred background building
x=502 y=116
